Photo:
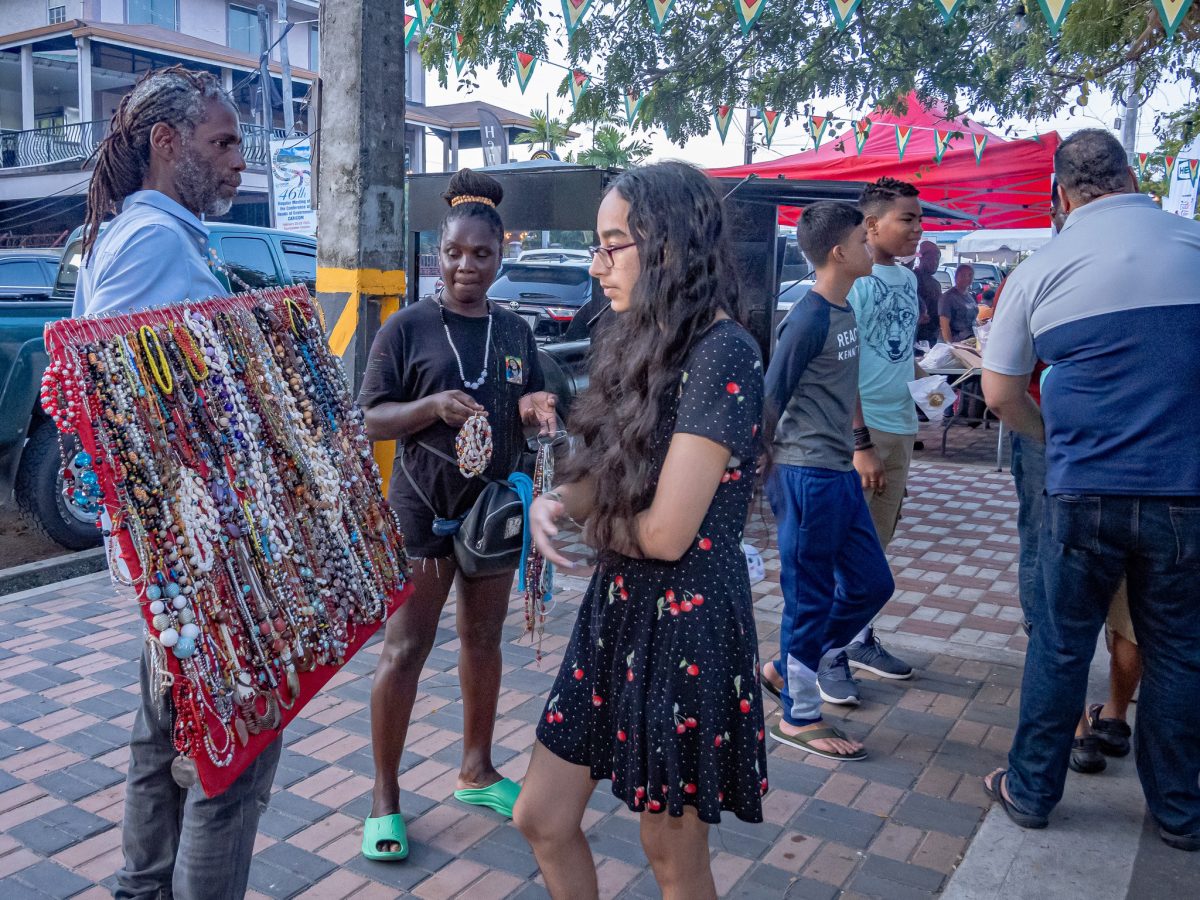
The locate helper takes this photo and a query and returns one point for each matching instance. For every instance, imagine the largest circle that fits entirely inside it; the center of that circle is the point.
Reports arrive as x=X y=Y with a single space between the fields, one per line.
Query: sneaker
x=870 y=656
x=835 y=682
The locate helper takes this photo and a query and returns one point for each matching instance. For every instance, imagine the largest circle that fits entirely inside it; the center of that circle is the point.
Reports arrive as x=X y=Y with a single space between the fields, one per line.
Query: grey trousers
x=179 y=843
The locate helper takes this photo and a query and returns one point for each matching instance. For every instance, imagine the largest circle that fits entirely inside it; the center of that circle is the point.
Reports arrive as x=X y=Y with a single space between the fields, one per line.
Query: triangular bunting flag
x=723 y=116
x=659 y=10
x=979 y=141
x=1193 y=170
x=524 y=63
x=1172 y=12
x=1170 y=162
x=941 y=141
x=862 y=130
x=459 y=62
x=903 y=133
x=426 y=10
x=578 y=82
x=948 y=8
x=573 y=11
x=816 y=128
x=843 y=11
x=748 y=12
x=411 y=27
x=1055 y=12
x=633 y=103
x=1140 y=163
x=770 y=123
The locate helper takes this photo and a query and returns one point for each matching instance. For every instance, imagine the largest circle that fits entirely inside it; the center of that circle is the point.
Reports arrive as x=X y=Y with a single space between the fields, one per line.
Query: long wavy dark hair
x=678 y=220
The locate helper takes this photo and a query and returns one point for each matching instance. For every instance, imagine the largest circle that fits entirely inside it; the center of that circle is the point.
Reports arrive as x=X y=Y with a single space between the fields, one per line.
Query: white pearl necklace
x=487 y=346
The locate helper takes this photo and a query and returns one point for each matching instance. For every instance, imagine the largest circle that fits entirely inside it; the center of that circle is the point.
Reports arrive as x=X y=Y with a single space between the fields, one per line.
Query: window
x=301 y=262
x=57 y=15
x=22 y=273
x=243 y=30
x=163 y=13
x=314 y=49
x=250 y=260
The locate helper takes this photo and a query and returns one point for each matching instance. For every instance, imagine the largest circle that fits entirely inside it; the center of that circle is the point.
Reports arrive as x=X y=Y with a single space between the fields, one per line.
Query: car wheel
x=39 y=491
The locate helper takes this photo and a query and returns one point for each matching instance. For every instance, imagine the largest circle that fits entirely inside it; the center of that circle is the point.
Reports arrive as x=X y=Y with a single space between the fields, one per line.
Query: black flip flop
x=1111 y=734
x=770 y=688
x=996 y=791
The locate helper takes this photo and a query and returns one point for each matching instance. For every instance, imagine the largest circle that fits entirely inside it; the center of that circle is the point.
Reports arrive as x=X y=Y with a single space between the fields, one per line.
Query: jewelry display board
x=226 y=461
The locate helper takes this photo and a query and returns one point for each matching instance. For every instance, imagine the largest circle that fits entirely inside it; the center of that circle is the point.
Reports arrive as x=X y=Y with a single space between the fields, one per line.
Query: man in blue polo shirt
x=1112 y=305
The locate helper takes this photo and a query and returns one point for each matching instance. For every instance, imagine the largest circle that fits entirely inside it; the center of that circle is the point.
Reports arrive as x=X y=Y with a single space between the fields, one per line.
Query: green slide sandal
x=501 y=796
x=385 y=830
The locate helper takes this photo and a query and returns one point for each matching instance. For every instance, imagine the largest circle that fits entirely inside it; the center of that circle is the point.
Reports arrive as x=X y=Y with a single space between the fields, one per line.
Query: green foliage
x=609 y=149
x=548 y=132
x=795 y=56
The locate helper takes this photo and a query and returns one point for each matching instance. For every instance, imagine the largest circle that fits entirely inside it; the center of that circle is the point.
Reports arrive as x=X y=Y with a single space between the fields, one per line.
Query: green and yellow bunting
x=1172 y=13
x=1170 y=164
x=1055 y=12
x=579 y=83
x=862 y=130
x=979 y=141
x=659 y=10
x=941 y=143
x=948 y=8
x=748 y=12
x=633 y=104
x=843 y=11
x=524 y=63
x=770 y=119
x=1140 y=164
x=411 y=29
x=903 y=133
x=723 y=116
x=1193 y=170
x=573 y=11
x=816 y=128
x=426 y=10
x=460 y=62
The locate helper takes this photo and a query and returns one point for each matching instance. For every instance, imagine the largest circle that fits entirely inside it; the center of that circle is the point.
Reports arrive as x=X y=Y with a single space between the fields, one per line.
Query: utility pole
x=361 y=246
x=264 y=84
x=289 y=114
x=748 y=147
x=1129 y=122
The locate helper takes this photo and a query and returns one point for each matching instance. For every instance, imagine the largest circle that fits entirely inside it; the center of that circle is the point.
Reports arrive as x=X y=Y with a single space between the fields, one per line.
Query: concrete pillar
x=83 y=47
x=360 y=220
x=454 y=151
x=227 y=80
x=27 y=112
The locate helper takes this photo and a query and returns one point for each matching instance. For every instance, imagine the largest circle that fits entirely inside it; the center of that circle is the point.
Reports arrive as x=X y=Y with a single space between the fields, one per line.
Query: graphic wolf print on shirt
x=888 y=320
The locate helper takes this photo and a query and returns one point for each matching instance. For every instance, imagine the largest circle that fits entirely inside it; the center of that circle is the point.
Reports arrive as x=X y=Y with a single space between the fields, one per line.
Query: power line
x=69 y=187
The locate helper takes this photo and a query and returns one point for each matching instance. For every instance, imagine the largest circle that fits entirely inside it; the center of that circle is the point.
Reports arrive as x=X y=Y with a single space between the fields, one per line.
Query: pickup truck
x=30 y=455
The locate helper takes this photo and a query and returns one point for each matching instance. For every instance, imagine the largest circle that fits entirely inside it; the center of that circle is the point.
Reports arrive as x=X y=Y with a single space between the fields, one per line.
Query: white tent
x=1003 y=246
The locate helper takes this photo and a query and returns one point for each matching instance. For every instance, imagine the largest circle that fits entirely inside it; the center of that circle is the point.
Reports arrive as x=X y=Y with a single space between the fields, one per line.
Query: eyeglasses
x=606 y=253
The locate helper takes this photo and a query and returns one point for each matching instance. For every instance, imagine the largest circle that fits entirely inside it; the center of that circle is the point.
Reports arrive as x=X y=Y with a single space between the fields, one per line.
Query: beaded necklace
x=487 y=346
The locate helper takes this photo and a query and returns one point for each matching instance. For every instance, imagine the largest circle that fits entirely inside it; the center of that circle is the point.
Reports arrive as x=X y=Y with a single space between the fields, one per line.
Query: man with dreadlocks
x=173 y=154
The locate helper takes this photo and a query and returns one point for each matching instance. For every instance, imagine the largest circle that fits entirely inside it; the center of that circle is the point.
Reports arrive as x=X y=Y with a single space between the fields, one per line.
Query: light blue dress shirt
x=154 y=252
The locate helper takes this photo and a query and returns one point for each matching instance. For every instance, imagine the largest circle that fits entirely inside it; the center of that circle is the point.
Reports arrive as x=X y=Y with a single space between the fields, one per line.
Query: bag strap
x=416 y=487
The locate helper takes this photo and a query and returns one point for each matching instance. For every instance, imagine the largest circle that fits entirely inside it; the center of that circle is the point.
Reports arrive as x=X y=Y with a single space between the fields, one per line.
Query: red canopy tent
x=1008 y=188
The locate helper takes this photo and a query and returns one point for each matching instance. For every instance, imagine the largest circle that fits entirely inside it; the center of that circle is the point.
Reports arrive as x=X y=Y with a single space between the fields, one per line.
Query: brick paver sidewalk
x=891 y=827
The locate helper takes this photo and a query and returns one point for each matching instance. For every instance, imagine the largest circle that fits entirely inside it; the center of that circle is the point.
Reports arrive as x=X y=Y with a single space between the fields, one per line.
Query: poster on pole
x=291 y=163
x=1181 y=192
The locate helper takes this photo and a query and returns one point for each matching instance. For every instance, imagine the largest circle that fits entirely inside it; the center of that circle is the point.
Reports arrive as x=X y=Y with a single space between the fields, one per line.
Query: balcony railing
x=77 y=142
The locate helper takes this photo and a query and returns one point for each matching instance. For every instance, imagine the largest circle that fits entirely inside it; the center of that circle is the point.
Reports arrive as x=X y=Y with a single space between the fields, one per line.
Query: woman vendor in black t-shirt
x=434 y=368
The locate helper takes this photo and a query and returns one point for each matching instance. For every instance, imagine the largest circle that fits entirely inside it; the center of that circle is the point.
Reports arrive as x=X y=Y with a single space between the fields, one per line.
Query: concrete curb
x=49 y=571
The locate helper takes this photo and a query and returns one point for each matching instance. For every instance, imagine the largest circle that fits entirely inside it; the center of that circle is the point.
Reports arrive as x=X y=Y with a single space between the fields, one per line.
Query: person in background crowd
x=432 y=366
x=1122 y=476
x=929 y=292
x=173 y=153
x=658 y=691
x=833 y=573
x=957 y=310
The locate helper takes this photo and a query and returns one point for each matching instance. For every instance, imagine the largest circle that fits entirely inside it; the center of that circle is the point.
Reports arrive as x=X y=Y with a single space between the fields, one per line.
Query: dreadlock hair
x=174 y=95
x=474 y=195
x=879 y=195
x=687 y=277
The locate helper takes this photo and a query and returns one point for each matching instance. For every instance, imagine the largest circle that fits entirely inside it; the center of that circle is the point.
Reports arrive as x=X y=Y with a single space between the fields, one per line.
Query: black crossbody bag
x=488 y=539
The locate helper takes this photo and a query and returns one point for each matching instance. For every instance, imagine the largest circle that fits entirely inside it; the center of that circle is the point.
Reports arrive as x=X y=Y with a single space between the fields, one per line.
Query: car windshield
x=570 y=284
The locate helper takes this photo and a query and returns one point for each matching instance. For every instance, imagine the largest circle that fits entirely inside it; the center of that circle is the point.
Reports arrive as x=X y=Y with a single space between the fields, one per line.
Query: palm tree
x=609 y=149
x=548 y=132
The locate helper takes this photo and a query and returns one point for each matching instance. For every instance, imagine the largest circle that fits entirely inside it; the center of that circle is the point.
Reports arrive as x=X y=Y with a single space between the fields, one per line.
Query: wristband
x=862 y=439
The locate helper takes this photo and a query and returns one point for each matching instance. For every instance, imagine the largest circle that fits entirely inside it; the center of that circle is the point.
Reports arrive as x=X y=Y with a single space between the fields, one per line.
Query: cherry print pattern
x=669 y=707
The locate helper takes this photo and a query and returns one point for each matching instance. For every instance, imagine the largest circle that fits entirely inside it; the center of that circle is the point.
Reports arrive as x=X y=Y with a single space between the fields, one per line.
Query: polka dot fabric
x=658 y=690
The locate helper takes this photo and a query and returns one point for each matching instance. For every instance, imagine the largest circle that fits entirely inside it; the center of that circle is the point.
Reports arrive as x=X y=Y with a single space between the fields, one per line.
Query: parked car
x=944 y=279
x=27 y=274
x=30 y=460
x=546 y=295
x=987 y=272
x=556 y=255
x=790 y=293
x=792 y=264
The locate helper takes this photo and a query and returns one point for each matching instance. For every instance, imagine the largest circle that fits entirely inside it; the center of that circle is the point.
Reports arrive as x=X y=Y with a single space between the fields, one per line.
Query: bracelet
x=862 y=439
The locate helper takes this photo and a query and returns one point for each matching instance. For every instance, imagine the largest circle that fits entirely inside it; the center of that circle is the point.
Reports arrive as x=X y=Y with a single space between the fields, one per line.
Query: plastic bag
x=754 y=563
x=933 y=394
x=940 y=355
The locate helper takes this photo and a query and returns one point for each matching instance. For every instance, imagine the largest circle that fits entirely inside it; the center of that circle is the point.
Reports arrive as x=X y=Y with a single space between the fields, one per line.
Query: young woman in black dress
x=433 y=366
x=658 y=691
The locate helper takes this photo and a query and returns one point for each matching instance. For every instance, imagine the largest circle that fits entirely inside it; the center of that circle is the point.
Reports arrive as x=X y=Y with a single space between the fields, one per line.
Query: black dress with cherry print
x=658 y=690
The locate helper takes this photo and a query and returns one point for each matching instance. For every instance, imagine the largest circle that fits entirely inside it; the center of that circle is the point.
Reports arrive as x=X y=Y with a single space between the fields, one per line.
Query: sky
x=708 y=151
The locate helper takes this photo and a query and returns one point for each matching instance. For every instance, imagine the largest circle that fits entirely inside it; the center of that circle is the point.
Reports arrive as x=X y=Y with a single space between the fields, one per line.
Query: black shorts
x=416 y=524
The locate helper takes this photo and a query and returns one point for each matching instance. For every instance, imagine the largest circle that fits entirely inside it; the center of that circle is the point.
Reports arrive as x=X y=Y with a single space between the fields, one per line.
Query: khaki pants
x=895 y=451
x=1119 y=620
